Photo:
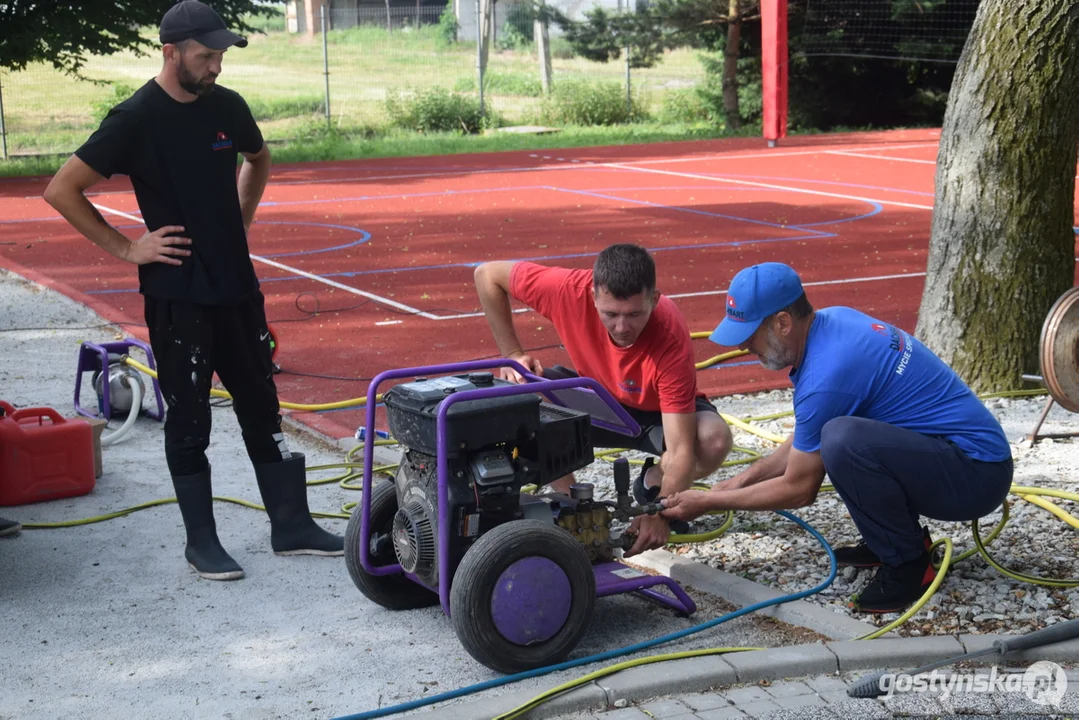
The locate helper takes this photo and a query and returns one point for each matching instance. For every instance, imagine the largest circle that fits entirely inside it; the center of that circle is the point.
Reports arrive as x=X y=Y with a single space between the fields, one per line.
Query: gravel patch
x=975 y=597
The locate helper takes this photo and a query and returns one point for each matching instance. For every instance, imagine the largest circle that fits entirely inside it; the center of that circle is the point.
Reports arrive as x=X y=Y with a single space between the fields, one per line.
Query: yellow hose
x=354 y=471
x=355 y=402
x=558 y=690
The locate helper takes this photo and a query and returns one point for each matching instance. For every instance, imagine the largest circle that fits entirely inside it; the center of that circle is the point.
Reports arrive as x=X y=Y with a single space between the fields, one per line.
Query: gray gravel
x=975 y=597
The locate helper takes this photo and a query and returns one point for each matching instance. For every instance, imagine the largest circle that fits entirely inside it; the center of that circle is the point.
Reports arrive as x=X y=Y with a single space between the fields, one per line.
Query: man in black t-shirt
x=178 y=138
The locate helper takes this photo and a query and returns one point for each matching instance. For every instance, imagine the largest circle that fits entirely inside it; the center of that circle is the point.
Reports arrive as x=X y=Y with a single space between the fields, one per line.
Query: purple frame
x=90 y=354
x=605 y=585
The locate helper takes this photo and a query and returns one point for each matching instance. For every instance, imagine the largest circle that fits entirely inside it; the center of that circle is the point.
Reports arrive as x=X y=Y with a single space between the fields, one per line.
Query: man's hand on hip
x=156 y=246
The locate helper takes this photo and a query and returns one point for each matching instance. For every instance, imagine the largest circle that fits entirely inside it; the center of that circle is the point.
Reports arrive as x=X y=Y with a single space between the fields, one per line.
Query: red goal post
x=774 y=62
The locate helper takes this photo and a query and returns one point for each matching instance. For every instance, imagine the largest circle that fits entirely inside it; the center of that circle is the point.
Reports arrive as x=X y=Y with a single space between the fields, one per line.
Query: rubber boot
x=292 y=530
x=204 y=552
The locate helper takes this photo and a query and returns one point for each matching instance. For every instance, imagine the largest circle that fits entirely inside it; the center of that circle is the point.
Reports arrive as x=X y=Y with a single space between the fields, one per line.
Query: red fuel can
x=43 y=456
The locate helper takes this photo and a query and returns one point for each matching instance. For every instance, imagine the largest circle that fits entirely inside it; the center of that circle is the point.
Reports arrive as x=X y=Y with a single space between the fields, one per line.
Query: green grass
x=319 y=145
x=282 y=75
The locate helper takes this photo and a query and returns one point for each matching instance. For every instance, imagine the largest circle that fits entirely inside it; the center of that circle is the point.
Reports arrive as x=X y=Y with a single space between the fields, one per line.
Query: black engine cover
x=412 y=411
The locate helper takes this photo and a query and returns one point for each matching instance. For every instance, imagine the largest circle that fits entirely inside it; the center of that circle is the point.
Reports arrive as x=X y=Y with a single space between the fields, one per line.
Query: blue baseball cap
x=755 y=293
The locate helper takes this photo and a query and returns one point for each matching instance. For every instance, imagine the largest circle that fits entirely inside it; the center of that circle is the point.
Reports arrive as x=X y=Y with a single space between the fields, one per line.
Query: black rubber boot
x=292 y=530
x=9 y=527
x=204 y=552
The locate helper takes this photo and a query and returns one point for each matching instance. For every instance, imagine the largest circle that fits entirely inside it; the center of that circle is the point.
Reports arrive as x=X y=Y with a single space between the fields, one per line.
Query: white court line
x=785 y=188
x=843 y=281
x=881 y=157
x=765 y=154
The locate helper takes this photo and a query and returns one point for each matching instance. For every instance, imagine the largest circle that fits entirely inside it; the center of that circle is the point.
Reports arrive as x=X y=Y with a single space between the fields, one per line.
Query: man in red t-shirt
x=619 y=331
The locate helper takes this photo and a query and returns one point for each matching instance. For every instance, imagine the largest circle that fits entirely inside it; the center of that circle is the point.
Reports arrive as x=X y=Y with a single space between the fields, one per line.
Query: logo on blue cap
x=755 y=293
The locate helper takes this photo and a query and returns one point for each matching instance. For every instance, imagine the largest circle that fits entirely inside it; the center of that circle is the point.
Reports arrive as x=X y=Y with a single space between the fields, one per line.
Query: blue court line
x=364 y=237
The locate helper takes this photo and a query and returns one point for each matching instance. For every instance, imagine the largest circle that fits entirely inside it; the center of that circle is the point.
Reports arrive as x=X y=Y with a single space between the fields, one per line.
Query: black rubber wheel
x=395 y=592
x=523 y=596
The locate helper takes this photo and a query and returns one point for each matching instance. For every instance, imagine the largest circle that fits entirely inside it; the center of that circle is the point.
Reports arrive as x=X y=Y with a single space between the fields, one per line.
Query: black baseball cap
x=193 y=20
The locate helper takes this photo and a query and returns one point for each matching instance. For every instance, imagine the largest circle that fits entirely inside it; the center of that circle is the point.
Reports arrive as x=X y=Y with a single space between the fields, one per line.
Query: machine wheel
x=395 y=592
x=522 y=596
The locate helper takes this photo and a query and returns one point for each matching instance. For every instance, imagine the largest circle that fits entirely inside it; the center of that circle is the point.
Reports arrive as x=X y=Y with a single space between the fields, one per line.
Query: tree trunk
x=730 y=66
x=1002 y=248
x=389 y=20
x=543 y=46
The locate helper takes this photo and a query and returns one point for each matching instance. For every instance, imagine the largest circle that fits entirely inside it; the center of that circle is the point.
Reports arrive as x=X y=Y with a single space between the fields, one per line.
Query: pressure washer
x=518 y=573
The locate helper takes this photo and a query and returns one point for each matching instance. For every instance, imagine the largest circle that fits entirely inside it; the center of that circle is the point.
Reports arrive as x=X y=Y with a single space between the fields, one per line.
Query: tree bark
x=543 y=47
x=1002 y=247
x=730 y=65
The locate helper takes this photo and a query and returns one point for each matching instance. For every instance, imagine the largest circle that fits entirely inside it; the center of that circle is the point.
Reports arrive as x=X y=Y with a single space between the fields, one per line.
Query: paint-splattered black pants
x=190 y=343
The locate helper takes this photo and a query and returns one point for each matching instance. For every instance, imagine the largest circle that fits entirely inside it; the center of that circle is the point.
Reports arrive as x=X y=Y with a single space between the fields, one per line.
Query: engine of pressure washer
x=494 y=447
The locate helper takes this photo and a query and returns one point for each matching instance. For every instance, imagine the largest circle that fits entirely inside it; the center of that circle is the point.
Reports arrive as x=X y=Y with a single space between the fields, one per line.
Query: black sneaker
x=860 y=556
x=894 y=589
x=645 y=495
x=642 y=493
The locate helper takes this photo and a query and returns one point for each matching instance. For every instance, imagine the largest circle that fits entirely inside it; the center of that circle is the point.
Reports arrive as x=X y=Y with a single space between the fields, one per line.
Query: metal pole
x=3 y=128
x=479 y=53
x=629 y=94
x=326 y=67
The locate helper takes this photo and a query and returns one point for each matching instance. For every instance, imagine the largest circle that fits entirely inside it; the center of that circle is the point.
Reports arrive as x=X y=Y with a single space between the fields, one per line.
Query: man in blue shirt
x=899 y=434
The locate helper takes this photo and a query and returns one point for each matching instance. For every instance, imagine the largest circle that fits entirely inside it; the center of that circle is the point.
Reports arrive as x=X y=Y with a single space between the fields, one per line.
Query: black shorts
x=649 y=440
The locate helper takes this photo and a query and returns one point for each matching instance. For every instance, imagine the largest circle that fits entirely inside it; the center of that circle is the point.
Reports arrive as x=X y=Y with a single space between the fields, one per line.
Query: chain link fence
x=299 y=82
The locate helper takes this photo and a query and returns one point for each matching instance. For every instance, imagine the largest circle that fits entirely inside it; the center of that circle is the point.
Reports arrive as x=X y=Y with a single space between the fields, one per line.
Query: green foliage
x=368 y=38
x=591 y=103
x=274 y=21
x=684 y=105
x=562 y=49
x=511 y=38
x=285 y=107
x=863 y=69
x=120 y=92
x=504 y=84
x=434 y=110
x=447 y=24
x=603 y=36
x=64 y=36
x=710 y=92
x=517 y=31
